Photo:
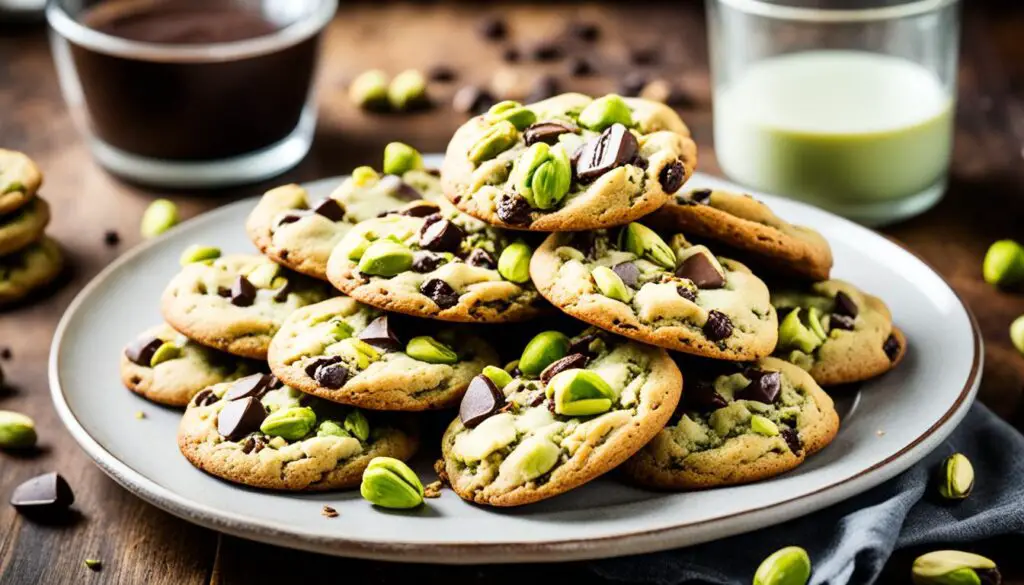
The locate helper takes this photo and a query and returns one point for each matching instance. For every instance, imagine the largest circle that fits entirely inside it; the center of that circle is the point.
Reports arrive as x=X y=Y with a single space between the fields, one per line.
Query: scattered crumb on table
x=329 y=512
x=433 y=490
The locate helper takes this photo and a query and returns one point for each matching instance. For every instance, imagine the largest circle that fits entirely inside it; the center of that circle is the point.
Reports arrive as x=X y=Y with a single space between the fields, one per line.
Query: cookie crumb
x=94 y=564
x=140 y=415
x=329 y=512
x=433 y=490
x=442 y=475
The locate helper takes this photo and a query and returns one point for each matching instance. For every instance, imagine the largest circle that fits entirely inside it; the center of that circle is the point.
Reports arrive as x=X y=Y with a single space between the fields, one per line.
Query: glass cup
x=191 y=93
x=844 y=104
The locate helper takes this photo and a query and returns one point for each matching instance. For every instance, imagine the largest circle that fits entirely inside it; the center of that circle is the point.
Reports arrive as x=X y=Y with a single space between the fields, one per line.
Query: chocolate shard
x=582 y=344
x=846 y=306
x=290 y=217
x=672 y=177
x=547 y=132
x=764 y=387
x=701 y=196
x=702 y=397
x=44 y=494
x=573 y=361
x=513 y=209
x=687 y=293
x=844 y=322
x=399 y=188
x=718 y=326
x=423 y=262
x=700 y=270
x=254 y=386
x=891 y=347
x=205 y=397
x=792 y=439
x=420 y=209
x=628 y=272
x=614 y=147
x=380 y=333
x=440 y=292
x=482 y=400
x=332 y=376
x=243 y=293
x=482 y=258
x=441 y=236
x=330 y=209
x=140 y=352
x=240 y=417
x=319 y=362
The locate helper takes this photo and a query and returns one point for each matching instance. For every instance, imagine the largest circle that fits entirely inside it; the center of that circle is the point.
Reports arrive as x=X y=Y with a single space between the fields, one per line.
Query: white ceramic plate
x=888 y=425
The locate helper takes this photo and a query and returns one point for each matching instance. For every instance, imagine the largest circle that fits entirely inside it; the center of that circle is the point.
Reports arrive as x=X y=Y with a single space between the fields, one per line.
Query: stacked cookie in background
x=682 y=337
x=29 y=260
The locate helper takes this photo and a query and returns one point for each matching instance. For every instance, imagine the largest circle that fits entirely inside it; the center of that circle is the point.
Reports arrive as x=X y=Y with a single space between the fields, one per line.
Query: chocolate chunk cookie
x=23 y=226
x=28 y=270
x=568 y=163
x=19 y=180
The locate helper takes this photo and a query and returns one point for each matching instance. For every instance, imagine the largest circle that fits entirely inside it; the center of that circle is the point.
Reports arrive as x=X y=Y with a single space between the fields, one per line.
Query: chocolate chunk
x=699 y=269
x=633 y=84
x=891 y=347
x=248 y=445
x=380 y=333
x=702 y=196
x=764 y=387
x=584 y=242
x=702 y=397
x=546 y=51
x=538 y=398
x=332 y=376
x=290 y=217
x=582 y=345
x=482 y=400
x=423 y=262
x=792 y=440
x=493 y=28
x=111 y=238
x=282 y=293
x=44 y=494
x=223 y=291
x=255 y=386
x=580 y=67
x=441 y=236
x=330 y=209
x=628 y=272
x=243 y=293
x=205 y=397
x=421 y=209
x=687 y=293
x=394 y=185
x=513 y=209
x=547 y=132
x=442 y=74
x=584 y=31
x=615 y=147
x=544 y=87
x=511 y=55
x=440 y=292
x=516 y=372
x=240 y=417
x=844 y=322
x=6 y=354
x=482 y=258
x=846 y=306
x=431 y=219
x=317 y=363
x=573 y=361
x=472 y=100
x=644 y=56
x=672 y=177
x=718 y=326
x=140 y=351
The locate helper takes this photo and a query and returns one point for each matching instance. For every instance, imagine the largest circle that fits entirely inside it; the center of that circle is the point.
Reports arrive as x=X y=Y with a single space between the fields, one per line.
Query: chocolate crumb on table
x=329 y=512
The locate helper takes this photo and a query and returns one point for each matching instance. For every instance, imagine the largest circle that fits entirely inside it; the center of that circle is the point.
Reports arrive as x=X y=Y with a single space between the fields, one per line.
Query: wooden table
x=140 y=544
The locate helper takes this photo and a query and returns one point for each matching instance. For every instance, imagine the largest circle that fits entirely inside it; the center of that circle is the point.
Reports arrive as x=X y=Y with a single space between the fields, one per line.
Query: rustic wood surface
x=140 y=544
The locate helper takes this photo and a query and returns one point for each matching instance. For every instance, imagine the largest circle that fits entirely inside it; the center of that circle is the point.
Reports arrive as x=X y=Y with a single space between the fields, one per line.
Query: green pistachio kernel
x=544 y=349
x=14 y=187
x=198 y=253
x=356 y=248
x=610 y=284
x=329 y=428
x=580 y=393
x=427 y=349
x=364 y=176
x=800 y=360
x=496 y=140
x=291 y=424
x=788 y=566
x=956 y=477
x=814 y=323
x=533 y=458
x=514 y=262
x=605 y=111
x=358 y=351
x=407 y=89
x=370 y=90
x=339 y=329
x=400 y=158
x=793 y=333
x=953 y=567
x=645 y=243
x=17 y=431
x=390 y=483
x=512 y=365
x=1017 y=333
x=1004 y=264
x=521 y=117
x=500 y=377
x=263 y=275
x=385 y=258
x=165 y=353
x=357 y=424
x=543 y=175
x=763 y=425
x=160 y=216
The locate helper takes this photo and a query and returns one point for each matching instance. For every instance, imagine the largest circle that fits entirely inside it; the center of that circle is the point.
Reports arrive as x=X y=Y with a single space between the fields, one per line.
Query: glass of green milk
x=846 y=104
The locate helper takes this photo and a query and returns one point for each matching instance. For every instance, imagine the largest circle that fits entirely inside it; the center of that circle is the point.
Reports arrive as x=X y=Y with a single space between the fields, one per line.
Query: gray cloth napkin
x=851 y=541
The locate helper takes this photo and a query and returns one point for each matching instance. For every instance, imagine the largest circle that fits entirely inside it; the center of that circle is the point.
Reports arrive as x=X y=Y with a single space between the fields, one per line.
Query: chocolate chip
x=111 y=238
x=248 y=445
x=482 y=258
x=546 y=51
x=423 y=262
x=672 y=177
x=482 y=400
x=628 y=272
x=440 y=292
x=702 y=196
x=493 y=28
x=547 y=132
x=290 y=217
x=584 y=31
x=44 y=494
x=702 y=397
x=240 y=417
x=580 y=67
x=332 y=376
x=243 y=293
x=513 y=209
x=394 y=185
x=538 y=398
x=471 y=99
x=582 y=344
x=844 y=322
x=380 y=333
x=544 y=87
x=891 y=347
x=699 y=269
x=6 y=354
x=516 y=372
x=205 y=397
x=644 y=56
x=764 y=387
x=573 y=361
x=718 y=326
x=441 y=236
x=633 y=84
x=421 y=209
x=442 y=74
x=615 y=147
x=792 y=440
x=330 y=209
x=687 y=293
x=140 y=351
x=584 y=242
x=846 y=306
x=254 y=386
x=282 y=293
x=315 y=364
x=223 y=291
x=431 y=219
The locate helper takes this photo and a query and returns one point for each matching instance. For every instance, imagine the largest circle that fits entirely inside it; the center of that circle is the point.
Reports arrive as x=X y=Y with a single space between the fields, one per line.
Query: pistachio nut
x=605 y=111
x=500 y=377
x=407 y=89
x=263 y=275
x=514 y=262
x=580 y=393
x=390 y=483
x=645 y=243
x=520 y=116
x=427 y=349
x=291 y=424
x=533 y=458
x=17 y=431
x=400 y=158
x=355 y=247
x=339 y=329
x=357 y=424
x=166 y=352
x=794 y=333
x=360 y=353
x=953 y=567
x=543 y=175
x=496 y=140
x=198 y=253
x=1004 y=264
x=369 y=90
x=610 y=284
x=544 y=349
x=364 y=176
x=956 y=477
x=511 y=366
x=329 y=428
x=385 y=258
x=800 y=360
x=787 y=566
x=160 y=216
x=763 y=425
x=1017 y=333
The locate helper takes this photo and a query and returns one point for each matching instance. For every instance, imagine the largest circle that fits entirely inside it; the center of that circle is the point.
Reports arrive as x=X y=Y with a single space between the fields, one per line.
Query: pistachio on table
x=17 y=431
x=514 y=262
x=370 y=90
x=427 y=349
x=953 y=567
x=604 y=112
x=407 y=90
x=160 y=216
x=1017 y=333
x=645 y=243
x=1004 y=264
x=956 y=477
x=198 y=253
x=544 y=349
x=496 y=140
x=291 y=424
x=787 y=566
x=400 y=158
x=390 y=483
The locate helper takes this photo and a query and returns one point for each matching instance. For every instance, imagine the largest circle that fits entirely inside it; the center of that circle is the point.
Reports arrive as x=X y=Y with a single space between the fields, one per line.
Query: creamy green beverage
x=840 y=129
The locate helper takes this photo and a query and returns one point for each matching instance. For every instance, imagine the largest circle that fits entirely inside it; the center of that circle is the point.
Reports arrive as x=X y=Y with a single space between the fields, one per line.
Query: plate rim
x=468 y=552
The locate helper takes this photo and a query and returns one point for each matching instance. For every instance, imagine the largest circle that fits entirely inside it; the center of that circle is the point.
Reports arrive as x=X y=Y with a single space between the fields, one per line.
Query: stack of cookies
x=29 y=260
x=683 y=337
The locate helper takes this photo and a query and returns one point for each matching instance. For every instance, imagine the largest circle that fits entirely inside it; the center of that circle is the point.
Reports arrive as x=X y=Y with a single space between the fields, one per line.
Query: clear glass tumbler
x=841 y=103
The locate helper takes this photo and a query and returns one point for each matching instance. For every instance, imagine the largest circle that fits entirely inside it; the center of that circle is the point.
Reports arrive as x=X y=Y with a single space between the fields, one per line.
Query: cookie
x=313 y=446
x=737 y=423
x=568 y=163
x=524 y=439
x=300 y=234
x=28 y=270
x=675 y=295
x=166 y=367
x=750 y=227
x=837 y=332
x=19 y=180
x=445 y=265
x=347 y=352
x=236 y=303
x=23 y=226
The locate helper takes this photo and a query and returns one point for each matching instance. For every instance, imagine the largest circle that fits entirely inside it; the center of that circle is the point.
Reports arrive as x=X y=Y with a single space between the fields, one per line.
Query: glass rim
x=838 y=15
x=307 y=26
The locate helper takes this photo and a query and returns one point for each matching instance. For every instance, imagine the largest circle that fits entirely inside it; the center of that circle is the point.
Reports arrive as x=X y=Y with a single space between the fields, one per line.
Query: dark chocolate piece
x=205 y=397
x=702 y=397
x=441 y=236
x=792 y=439
x=846 y=306
x=511 y=55
x=718 y=326
x=243 y=293
x=291 y=217
x=546 y=51
x=644 y=56
x=319 y=362
x=332 y=376
x=573 y=361
x=240 y=417
x=699 y=269
x=702 y=196
x=442 y=73
x=513 y=209
x=580 y=67
x=547 y=132
x=584 y=31
x=628 y=272
x=482 y=258
x=687 y=293
x=482 y=400
x=764 y=387
x=891 y=347
x=616 y=146
x=582 y=345
x=111 y=238
x=424 y=262
x=396 y=186
x=672 y=177
x=44 y=494
x=844 y=322
x=493 y=28
x=140 y=351
x=330 y=209
x=254 y=386
x=471 y=99
x=440 y=292
x=380 y=333
x=421 y=209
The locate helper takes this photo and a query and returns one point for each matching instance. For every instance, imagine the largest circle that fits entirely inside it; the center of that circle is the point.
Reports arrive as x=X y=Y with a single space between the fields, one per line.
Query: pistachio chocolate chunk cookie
x=737 y=423
x=430 y=260
x=568 y=163
x=29 y=269
x=23 y=226
x=348 y=352
x=575 y=409
x=19 y=180
x=169 y=368
x=235 y=303
x=675 y=295
x=260 y=433
x=837 y=332
x=749 y=226
x=299 y=233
